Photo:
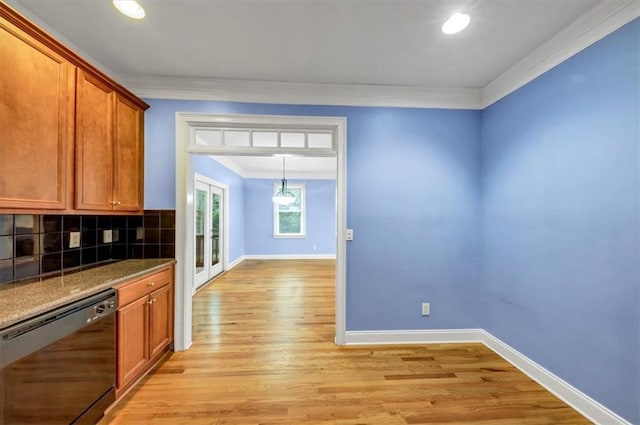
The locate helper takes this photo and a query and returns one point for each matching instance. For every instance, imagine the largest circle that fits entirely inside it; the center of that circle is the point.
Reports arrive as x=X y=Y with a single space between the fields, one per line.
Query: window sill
x=290 y=236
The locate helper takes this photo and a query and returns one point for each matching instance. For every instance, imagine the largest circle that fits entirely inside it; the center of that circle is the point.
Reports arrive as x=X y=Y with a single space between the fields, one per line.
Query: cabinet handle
x=151 y=283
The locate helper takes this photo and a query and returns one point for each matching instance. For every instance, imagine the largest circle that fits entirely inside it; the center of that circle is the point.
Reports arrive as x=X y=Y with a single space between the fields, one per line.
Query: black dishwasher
x=59 y=367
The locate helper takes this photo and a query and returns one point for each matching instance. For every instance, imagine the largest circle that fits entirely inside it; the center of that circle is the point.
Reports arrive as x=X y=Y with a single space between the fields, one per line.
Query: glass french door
x=208 y=232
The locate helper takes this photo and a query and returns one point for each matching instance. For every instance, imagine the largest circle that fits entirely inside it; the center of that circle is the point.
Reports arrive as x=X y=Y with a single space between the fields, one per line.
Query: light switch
x=107 y=236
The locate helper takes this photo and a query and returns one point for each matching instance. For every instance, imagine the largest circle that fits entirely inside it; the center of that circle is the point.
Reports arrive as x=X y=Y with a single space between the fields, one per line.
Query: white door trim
x=225 y=214
x=186 y=125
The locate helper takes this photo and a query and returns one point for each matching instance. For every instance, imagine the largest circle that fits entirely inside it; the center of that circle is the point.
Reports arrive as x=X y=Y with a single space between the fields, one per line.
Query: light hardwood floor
x=263 y=353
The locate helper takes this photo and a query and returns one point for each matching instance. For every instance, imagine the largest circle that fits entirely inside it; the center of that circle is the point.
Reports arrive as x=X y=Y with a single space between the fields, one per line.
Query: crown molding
x=300 y=93
x=594 y=25
x=602 y=20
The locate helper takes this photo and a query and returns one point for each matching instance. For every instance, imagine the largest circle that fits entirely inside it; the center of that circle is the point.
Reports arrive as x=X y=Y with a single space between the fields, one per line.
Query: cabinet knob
x=150 y=302
x=151 y=283
x=117 y=202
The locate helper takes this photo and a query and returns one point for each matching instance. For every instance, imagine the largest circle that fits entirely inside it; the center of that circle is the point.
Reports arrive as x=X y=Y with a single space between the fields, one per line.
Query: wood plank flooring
x=263 y=353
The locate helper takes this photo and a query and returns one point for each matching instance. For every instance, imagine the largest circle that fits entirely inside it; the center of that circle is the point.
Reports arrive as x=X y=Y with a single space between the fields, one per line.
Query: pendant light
x=283 y=197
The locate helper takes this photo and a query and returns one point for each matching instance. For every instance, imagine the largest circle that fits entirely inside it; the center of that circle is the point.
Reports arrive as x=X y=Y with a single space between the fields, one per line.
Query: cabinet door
x=161 y=330
x=128 y=156
x=36 y=123
x=133 y=340
x=94 y=143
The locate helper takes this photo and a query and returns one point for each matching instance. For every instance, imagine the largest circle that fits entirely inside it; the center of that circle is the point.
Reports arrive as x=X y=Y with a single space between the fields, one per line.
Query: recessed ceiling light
x=456 y=23
x=131 y=8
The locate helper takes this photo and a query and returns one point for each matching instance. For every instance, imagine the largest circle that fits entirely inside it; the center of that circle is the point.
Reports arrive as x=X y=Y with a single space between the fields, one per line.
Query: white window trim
x=303 y=207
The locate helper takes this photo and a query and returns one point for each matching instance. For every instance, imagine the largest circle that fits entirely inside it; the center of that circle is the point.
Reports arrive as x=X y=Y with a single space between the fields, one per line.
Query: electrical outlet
x=426 y=309
x=74 y=239
x=107 y=236
x=139 y=233
x=314 y=247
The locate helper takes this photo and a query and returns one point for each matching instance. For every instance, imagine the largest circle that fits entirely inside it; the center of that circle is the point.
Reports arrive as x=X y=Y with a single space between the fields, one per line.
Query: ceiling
x=384 y=42
x=270 y=167
x=362 y=43
x=350 y=52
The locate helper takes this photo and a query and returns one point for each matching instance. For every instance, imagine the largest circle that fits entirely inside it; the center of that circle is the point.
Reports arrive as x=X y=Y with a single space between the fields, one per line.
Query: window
x=274 y=138
x=289 y=220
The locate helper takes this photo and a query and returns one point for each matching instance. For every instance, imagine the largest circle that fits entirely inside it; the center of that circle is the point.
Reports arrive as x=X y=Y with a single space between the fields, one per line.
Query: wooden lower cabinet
x=133 y=340
x=144 y=325
x=161 y=323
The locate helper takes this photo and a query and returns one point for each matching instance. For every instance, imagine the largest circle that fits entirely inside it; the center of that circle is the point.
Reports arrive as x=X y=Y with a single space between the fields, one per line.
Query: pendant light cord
x=283 y=170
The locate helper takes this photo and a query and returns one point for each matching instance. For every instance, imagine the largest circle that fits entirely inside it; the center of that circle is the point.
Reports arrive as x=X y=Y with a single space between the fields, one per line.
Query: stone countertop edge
x=21 y=302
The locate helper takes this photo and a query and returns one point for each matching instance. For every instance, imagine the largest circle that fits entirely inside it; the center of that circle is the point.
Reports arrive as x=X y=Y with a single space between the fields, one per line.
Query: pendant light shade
x=283 y=197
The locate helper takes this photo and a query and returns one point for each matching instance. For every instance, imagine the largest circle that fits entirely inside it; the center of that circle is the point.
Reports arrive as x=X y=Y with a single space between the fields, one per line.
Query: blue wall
x=413 y=204
x=320 y=219
x=413 y=177
x=541 y=189
x=208 y=167
x=560 y=185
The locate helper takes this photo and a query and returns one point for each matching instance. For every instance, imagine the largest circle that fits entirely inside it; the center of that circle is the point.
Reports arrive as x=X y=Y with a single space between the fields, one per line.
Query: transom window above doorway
x=265 y=138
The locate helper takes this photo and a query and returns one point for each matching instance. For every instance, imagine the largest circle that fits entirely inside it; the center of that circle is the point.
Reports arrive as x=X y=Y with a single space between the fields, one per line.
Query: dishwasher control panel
x=100 y=310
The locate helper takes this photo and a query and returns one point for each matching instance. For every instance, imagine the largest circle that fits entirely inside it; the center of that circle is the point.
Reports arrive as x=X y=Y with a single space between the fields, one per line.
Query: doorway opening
x=210 y=218
x=250 y=135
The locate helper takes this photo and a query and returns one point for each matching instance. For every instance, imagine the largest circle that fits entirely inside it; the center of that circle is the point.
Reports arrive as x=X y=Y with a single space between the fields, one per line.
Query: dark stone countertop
x=22 y=301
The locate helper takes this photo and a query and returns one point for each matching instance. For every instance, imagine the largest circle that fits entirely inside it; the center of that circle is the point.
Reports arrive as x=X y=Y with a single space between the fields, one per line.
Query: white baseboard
x=235 y=262
x=591 y=409
x=414 y=336
x=291 y=257
x=281 y=257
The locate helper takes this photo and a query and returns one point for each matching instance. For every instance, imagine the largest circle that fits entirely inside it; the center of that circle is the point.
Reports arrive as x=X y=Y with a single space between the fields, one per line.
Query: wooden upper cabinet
x=36 y=123
x=109 y=148
x=128 y=162
x=67 y=131
x=94 y=147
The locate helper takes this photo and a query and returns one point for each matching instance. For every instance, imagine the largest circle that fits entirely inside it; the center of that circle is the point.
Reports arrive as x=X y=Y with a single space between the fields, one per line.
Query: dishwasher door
x=59 y=368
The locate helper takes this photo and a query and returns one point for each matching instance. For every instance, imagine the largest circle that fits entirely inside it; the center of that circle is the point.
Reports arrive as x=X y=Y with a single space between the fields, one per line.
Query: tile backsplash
x=32 y=246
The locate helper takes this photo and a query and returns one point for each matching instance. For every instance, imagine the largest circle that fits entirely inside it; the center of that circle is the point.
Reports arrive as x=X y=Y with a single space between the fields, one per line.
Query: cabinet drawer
x=131 y=291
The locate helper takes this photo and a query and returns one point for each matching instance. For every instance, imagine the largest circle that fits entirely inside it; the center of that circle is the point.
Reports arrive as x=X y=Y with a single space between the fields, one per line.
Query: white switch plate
x=426 y=309
x=74 y=239
x=107 y=236
x=349 y=234
x=139 y=233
